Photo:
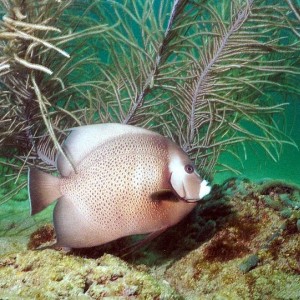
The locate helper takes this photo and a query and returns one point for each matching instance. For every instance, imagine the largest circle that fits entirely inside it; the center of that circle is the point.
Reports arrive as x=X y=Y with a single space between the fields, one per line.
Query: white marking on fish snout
x=204 y=189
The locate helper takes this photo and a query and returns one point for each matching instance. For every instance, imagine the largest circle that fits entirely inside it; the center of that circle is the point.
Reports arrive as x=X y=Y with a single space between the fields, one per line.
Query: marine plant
x=211 y=75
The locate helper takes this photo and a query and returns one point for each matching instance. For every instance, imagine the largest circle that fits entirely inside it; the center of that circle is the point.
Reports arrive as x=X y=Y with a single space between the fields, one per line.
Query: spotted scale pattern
x=113 y=184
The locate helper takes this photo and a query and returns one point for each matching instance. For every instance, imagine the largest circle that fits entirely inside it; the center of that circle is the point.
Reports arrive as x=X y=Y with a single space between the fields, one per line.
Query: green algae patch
x=50 y=274
x=249 y=263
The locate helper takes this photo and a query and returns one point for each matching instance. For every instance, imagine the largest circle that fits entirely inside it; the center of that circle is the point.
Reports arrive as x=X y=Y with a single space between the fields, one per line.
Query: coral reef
x=254 y=248
x=240 y=244
x=49 y=274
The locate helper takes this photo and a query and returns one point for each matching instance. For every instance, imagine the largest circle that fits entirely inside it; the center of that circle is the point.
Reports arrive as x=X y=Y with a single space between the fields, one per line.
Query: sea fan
x=202 y=72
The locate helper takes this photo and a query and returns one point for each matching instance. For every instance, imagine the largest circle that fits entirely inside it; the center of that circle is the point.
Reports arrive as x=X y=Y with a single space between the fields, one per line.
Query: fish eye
x=189 y=169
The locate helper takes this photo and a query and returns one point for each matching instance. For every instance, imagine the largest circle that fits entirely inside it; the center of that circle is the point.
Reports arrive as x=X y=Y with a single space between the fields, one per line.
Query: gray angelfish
x=122 y=185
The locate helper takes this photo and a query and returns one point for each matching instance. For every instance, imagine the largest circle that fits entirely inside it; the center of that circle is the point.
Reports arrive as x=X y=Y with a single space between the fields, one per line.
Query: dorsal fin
x=84 y=139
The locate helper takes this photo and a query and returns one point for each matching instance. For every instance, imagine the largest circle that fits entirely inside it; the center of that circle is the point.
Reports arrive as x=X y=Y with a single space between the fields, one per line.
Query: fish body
x=119 y=171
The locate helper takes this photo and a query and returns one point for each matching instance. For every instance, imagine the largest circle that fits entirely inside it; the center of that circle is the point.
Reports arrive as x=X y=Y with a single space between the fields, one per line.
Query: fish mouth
x=205 y=189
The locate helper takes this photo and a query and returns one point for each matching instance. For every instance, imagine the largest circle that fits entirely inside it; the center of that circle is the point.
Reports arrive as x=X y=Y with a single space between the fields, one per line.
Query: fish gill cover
x=203 y=73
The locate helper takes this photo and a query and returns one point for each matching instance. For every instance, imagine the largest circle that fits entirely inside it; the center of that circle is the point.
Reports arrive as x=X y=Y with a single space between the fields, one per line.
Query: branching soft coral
x=202 y=72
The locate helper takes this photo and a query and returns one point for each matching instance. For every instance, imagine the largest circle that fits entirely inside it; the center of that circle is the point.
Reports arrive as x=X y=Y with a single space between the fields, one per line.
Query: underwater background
x=258 y=165
x=114 y=61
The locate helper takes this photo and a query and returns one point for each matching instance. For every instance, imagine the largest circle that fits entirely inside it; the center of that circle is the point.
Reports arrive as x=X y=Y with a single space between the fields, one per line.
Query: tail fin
x=43 y=189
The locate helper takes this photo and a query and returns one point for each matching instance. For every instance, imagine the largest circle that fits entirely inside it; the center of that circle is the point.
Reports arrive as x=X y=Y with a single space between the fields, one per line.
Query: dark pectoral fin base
x=163 y=195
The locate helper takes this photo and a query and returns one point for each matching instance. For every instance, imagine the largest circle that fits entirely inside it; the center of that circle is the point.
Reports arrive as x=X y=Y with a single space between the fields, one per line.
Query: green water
x=258 y=165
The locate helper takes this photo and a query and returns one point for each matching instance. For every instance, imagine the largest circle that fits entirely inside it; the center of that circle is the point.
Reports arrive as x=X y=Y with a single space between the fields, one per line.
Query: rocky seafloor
x=242 y=243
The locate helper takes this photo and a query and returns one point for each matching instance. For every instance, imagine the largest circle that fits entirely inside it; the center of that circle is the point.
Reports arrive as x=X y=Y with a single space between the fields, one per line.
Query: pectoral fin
x=163 y=194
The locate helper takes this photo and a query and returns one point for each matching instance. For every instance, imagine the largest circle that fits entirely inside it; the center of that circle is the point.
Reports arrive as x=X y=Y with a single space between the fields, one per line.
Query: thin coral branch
x=161 y=55
x=27 y=25
x=29 y=65
x=294 y=9
x=239 y=20
x=47 y=122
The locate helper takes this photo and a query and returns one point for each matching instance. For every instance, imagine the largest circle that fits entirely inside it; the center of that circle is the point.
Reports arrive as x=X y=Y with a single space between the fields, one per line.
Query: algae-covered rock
x=49 y=274
x=254 y=253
